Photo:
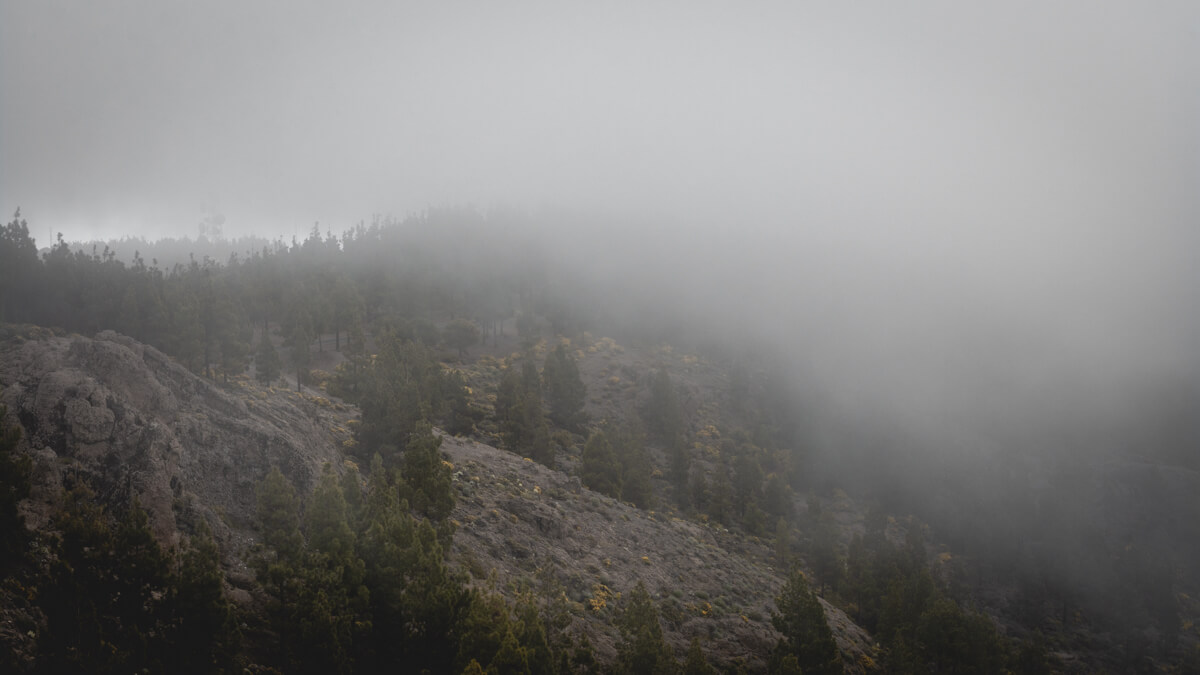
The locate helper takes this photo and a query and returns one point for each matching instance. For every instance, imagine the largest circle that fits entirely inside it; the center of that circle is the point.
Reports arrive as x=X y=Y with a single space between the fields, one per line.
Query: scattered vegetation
x=379 y=321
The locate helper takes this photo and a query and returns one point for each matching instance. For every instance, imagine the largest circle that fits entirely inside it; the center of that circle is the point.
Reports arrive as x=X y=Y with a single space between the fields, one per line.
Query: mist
x=958 y=218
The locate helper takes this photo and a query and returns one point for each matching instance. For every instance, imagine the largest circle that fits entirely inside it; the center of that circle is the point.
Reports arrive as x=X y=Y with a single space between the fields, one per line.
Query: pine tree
x=636 y=469
x=777 y=497
x=534 y=438
x=783 y=544
x=142 y=584
x=417 y=603
x=351 y=372
x=519 y=411
x=508 y=398
x=427 y=479
x=15 y=472
x=663 y=414
x=720 y=498
x=329 y=614
x=461 y=334
x=681 y=464
x=403 y=387
x=279 y=515
x=695 y=663
x=483 y=629
x=599 y=469
x=531 y=632
x=642 y=649
x=327 y=525
x=279 y=565
x=207 y=637
x=230 y=331
x=319 y=603
x=267 y=361
x=565 y=391
x=185 y=332
x=528 y=329
x=748 y=478
x=18 y=267
x=106 y=591
x=352 y=491
x=958 y=641
x=755 y=520
x=460 y=414
x=583 y=657
x=806 y=635
x=511 y=659
x=535 y=435
x=76 y=593
x=786 y=665
x=531 y=380
x=347 y=308
x=301 y=357
x=828 y=564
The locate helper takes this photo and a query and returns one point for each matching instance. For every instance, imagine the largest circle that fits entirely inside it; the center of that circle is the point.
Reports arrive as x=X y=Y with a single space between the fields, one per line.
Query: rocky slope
x=133 y=422
x=538 y=528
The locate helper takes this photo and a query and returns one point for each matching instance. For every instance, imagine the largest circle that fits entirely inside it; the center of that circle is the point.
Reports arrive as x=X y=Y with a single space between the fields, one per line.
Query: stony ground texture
x=537 y=528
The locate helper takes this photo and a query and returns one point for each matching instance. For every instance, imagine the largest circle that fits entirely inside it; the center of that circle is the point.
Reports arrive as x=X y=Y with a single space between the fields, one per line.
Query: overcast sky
x=1042 y=160
x=140 y=116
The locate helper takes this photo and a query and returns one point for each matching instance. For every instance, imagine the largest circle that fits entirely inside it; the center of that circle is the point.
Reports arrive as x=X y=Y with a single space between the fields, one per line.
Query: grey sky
x=895 y=168
x=125 y=116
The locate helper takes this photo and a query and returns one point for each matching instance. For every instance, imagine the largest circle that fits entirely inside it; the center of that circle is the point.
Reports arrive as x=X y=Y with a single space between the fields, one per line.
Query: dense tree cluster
x=398 y=389
x=749 y=486
x=367 y=589
x=616 y=462
x=922 y=628
x=115 y=602
x=807 y=645
x=205 y=311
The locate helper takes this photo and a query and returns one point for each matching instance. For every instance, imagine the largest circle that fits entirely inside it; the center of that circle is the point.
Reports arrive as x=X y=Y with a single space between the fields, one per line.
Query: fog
x=954 y=214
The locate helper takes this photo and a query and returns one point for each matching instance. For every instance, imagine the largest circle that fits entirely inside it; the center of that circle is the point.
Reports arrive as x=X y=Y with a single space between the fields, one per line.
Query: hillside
x=132 y=422
x=607 y=480
x=134 y=425
x=535 y=526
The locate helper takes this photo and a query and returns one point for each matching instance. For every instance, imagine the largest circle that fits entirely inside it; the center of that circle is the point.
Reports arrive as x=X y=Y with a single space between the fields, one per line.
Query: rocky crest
x=135 y=423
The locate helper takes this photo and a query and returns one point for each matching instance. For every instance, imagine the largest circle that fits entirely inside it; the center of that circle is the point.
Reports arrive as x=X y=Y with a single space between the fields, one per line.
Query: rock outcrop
x=132 y=422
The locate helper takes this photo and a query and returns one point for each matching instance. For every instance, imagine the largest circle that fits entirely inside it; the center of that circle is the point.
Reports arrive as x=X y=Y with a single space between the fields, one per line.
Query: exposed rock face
x=135 y=423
